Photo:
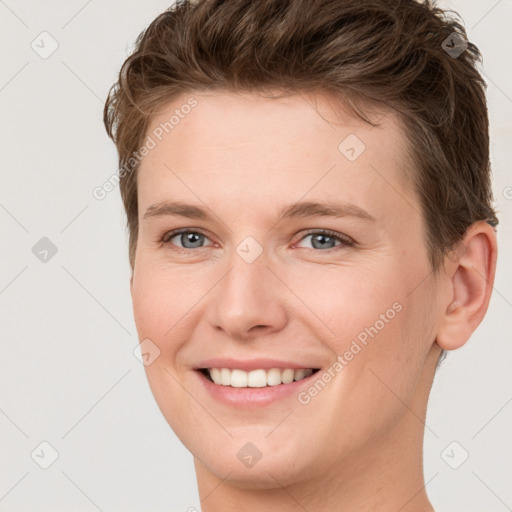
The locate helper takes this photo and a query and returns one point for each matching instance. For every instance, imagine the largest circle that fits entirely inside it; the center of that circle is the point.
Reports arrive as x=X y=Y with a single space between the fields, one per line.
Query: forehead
x=266 y=146
x=231 y=119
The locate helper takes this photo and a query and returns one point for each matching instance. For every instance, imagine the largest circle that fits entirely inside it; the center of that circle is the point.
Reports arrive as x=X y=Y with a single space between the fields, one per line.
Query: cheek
x=381 y=330
x=161 y=299
x=162 y=306
x=350 y=304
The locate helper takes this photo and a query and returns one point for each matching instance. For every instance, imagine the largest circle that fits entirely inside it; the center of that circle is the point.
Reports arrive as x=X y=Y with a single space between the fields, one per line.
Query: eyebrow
x=294 y=210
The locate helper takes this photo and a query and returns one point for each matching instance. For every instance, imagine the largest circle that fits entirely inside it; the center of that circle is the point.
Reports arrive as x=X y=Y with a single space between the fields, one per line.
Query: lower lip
x=252 y=397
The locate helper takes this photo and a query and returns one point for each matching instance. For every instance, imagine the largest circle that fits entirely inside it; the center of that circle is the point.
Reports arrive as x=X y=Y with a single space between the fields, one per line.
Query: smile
x=258 y=378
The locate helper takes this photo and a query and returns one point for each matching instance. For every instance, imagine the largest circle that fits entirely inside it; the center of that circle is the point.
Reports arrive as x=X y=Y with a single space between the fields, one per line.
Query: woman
x=311 y=227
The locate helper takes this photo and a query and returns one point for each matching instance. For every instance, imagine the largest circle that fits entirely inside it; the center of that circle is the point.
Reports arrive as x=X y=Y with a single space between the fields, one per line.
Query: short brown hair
x=392 y=52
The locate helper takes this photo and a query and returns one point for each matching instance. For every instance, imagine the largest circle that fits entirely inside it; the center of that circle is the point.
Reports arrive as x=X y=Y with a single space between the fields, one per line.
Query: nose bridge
x=246 y=287
x=248 y=295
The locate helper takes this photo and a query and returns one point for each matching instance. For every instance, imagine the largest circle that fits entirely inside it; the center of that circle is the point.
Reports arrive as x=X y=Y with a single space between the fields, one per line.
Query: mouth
x=258 y=378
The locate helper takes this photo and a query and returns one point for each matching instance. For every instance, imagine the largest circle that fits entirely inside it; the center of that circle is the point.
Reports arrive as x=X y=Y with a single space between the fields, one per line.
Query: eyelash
x=345 y=240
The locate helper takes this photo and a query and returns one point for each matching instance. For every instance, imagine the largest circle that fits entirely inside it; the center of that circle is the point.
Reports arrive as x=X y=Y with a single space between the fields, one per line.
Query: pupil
x=190 y=238
x=322 y=238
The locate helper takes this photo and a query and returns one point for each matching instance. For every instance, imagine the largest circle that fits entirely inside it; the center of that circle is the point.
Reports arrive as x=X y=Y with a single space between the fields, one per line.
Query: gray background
x=68 y=374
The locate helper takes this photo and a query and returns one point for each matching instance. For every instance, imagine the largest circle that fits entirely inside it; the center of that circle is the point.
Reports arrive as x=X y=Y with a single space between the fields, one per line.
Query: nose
x=249 y=301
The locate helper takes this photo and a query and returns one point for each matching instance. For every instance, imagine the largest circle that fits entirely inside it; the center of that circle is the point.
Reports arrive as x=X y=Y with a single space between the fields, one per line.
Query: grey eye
x=187 y=239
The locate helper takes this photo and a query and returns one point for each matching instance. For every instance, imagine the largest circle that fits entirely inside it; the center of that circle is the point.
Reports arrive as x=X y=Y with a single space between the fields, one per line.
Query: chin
x=267 y=473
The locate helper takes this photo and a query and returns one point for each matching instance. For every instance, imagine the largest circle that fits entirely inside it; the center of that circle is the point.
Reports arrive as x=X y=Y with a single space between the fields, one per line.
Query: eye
x=325 y=239
x=188 y=238
x=192 y=239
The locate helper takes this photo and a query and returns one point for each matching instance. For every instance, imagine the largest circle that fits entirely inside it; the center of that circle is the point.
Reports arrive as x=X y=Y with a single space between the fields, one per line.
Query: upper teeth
x=256 y=378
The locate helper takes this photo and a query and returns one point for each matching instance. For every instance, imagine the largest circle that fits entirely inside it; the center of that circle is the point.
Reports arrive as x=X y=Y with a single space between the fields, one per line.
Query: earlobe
x=472 y=279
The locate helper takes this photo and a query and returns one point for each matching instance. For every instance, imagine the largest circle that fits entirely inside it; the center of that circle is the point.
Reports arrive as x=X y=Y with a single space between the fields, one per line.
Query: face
x=279 y=235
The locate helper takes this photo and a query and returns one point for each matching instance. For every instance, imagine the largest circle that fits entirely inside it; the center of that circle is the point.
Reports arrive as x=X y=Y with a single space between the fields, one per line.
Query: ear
x=471 y=271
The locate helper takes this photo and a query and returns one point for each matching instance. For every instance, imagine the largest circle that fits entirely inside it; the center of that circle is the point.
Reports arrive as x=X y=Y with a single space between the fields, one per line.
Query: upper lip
x=252 y=364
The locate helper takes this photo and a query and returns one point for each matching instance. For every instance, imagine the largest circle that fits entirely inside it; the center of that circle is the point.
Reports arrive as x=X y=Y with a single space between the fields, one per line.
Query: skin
x=357 y=445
